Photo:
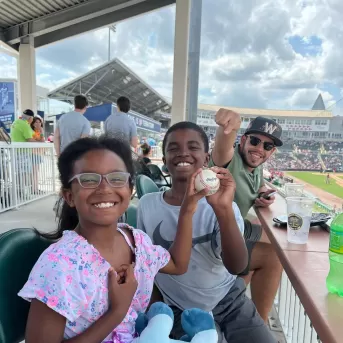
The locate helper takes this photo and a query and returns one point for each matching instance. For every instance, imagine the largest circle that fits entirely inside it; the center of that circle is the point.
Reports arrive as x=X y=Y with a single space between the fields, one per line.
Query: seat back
x=140 y=168
x=131 y=216
x=145 y=185
x=19 y=251
x=157 y=175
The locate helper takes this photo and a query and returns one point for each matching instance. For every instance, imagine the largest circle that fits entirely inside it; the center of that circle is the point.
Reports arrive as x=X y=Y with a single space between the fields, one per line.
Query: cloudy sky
x=254 y=53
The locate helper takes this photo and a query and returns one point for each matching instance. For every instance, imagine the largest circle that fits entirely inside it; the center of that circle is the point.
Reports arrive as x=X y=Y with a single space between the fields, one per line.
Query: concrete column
x=181 y=48
x=194 y=60
x=27 y=75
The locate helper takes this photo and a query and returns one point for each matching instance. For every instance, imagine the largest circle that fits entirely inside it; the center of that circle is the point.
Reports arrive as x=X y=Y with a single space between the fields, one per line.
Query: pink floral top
x=71 y=278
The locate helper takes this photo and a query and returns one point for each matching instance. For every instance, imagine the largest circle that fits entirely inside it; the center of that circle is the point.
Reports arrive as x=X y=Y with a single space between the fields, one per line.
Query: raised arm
x=229 y=123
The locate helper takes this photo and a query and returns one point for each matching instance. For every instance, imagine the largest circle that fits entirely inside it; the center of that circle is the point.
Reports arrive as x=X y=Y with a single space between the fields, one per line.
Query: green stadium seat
x=19 y=251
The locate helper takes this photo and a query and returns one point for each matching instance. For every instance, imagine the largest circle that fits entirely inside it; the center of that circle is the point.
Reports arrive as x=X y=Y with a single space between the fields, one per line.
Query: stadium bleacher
x=333 y=161
x=304 y=155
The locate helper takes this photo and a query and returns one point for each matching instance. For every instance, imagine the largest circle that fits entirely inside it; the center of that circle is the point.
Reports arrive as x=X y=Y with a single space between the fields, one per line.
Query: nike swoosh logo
x=159 y=240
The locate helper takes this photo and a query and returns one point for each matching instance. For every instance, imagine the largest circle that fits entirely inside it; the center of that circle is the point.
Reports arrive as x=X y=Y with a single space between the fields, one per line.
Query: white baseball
x=207 y=179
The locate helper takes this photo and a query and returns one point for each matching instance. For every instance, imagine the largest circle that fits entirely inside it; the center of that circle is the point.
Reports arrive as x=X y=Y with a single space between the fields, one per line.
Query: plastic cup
x=294 y=190
x=299 y=212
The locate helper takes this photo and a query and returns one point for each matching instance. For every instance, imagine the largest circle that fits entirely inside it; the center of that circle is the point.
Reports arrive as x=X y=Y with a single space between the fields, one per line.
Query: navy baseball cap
x=266 y=127
x=29 y=113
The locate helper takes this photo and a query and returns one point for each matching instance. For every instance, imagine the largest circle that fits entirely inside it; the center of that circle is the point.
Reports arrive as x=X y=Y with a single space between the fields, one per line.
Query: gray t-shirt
x=207 y=281
x=72 y=126
x=120 y=125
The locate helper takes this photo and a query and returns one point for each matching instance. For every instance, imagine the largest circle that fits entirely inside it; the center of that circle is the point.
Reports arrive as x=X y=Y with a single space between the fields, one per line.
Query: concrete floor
x=40 y=215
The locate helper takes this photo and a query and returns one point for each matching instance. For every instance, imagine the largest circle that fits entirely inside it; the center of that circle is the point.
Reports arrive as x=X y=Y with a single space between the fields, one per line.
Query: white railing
x=27 y=173
x=156 y=152
x=295 y=322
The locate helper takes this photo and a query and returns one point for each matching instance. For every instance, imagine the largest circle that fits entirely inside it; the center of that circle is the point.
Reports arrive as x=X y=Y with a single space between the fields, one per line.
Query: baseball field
x=318 y=180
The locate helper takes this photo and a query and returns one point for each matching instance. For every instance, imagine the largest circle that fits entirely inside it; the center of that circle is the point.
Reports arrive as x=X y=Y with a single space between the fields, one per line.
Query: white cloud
x=246 y=57
x=305 y=97
x=8 y=67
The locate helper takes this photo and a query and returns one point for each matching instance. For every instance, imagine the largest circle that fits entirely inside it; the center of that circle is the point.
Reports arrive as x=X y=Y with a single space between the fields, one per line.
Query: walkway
x=38 y=214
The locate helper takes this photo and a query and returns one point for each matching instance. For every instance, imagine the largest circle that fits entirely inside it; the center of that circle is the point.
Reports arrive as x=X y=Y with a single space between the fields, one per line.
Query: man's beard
x=244 y=154
x=245 y=160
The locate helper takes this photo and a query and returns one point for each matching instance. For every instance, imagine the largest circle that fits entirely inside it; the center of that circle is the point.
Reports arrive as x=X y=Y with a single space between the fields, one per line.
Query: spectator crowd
x=305 y=155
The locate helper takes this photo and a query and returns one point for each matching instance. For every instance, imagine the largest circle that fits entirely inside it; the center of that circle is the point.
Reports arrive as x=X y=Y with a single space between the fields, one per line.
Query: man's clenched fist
x=228 y=120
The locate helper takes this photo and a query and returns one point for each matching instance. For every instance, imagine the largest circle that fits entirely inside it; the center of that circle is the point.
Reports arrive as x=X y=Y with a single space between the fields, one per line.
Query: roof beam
x=78 y=19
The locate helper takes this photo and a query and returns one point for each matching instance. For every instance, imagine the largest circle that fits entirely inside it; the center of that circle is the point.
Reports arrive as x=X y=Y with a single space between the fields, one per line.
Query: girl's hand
x=190 y=201
x=122 y=287
x=226 y=192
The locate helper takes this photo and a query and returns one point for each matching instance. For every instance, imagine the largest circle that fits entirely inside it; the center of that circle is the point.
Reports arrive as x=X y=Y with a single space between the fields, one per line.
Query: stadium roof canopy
x=270 y=112
x=51 y=20
x=111 y=80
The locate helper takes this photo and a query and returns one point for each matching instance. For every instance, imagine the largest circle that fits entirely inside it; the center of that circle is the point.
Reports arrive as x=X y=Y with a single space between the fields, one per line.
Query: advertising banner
x=144 y=122
x=7 y=103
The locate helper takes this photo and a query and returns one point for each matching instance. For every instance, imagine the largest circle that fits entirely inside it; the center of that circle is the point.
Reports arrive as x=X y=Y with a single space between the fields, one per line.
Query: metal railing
x=295 y=322
x=27 y=173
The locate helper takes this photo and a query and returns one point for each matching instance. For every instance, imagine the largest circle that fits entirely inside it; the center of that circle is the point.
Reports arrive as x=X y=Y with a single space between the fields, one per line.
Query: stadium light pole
x=110 y=28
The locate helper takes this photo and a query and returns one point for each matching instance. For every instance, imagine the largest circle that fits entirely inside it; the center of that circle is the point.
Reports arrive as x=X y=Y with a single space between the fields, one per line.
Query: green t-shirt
x=247 y=183
x=21 y=131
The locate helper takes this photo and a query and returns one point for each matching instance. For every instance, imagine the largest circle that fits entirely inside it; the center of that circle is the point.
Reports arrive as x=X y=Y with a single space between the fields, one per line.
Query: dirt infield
x=325 y=197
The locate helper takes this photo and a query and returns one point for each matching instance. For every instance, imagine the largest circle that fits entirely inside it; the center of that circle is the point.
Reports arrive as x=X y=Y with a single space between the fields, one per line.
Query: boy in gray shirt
x=72 y=126
x=119 y=124
x=219 y=252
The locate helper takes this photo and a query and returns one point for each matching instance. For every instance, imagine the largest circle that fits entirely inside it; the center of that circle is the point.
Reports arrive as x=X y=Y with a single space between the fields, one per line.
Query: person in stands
x=37 y=128
x=72 y=126
x=120 y=125
x=38 y=135
x=146 y=151
x=245 y=162
x=219 y=252
x=21 y=130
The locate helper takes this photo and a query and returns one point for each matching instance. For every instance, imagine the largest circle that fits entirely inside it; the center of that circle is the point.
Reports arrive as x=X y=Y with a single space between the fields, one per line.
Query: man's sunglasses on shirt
x=255 y=141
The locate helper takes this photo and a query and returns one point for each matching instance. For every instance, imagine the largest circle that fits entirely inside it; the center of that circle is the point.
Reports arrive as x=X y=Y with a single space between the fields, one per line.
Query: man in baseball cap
x=266 y=127
x=21 y=130
x=260 y=140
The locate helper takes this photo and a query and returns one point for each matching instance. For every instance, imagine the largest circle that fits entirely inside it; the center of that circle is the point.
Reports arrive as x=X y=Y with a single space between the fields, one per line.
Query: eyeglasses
x=255 y=141
x=93 y=180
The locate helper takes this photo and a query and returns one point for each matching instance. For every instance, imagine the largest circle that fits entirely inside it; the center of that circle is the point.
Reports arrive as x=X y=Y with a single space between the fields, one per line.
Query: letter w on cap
x=270 y=128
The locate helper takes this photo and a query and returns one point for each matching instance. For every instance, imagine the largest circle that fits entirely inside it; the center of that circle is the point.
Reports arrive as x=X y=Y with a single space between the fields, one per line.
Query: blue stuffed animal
x=156 y=325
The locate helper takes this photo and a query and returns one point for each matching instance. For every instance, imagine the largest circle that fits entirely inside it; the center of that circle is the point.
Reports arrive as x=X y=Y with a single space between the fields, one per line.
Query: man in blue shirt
x=119 y=124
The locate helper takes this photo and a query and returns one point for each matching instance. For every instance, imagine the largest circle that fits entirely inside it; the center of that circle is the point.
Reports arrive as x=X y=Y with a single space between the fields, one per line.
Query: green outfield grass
x=340 y=176
x=319 y=181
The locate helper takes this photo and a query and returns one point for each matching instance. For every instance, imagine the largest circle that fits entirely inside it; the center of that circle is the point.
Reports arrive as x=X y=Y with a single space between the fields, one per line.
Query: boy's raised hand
x=190 y=201
x=226 y=192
